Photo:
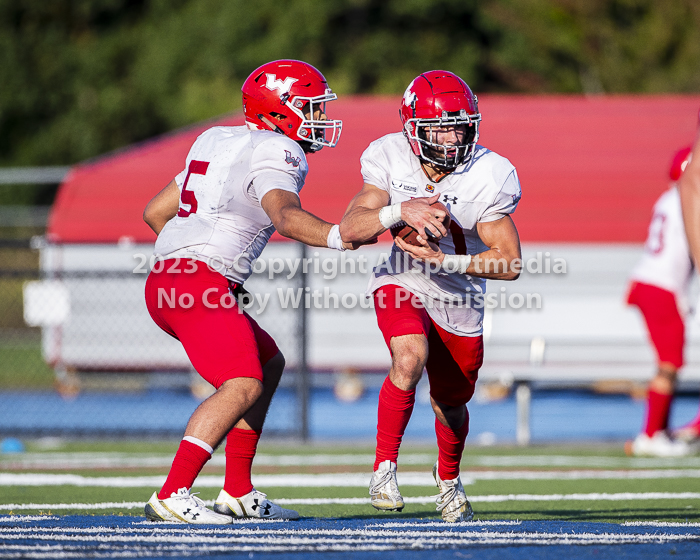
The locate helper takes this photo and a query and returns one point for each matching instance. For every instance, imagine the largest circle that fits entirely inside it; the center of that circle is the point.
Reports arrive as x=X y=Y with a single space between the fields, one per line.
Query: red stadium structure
x=590 y=167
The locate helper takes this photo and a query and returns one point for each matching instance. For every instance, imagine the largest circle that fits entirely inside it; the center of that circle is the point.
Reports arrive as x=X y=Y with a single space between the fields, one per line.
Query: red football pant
x=192 y=303
x=664 y=322
x=453 y=366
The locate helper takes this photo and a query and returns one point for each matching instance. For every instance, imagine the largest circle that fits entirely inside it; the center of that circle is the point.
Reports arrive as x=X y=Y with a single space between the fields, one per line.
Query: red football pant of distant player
x=192 y=303
x=453 y=366
x=667 y=334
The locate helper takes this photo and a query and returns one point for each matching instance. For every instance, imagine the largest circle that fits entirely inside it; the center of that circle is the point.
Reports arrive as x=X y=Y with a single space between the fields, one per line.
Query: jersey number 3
x=187 y=197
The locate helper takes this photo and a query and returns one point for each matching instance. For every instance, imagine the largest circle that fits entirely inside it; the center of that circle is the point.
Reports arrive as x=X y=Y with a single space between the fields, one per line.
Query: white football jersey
x=666 y=262
x=483 y=190
x=220 y=221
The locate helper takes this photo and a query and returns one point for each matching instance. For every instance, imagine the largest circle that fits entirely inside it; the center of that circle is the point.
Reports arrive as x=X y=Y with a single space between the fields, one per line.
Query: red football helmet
x=278 y=94
x=439 y=99
x=679 y=162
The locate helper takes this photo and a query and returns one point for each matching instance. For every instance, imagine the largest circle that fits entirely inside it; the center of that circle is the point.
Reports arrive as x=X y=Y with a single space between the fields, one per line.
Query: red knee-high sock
x=658 y=412
x=450 y=448
x=240 y=451
x=188 y=462
x=395 y=408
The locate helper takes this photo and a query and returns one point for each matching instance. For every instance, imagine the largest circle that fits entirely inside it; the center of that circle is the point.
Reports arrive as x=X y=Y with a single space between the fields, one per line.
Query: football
x=409 y=234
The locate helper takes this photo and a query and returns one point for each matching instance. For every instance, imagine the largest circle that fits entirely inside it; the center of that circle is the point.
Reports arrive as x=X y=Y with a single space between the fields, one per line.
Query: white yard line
x=184 y=533
x=46 y=541
x=658 y=524
x=575 y=461
x=621 y=496
x=349 y=480
x=468 y=476
x=125 y=460
x=24 y=518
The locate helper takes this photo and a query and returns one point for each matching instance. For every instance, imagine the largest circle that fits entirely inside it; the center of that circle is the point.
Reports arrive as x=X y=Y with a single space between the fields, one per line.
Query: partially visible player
x=659 y=288
x=427 y=299
x=213 y=220
x=689 y=187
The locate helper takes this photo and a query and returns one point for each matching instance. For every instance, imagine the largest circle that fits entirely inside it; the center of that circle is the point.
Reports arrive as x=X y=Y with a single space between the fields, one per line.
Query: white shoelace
x=261 y=496
x=385 y=479
x=445 y=498
x=198 y=502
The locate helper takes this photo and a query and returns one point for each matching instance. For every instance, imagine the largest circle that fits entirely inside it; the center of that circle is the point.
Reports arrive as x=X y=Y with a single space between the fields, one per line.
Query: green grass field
x=540 y=482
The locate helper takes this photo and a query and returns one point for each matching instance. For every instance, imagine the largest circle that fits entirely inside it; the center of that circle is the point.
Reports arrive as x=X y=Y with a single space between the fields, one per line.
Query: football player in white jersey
x=659 y=288
x=689 y=187
x=213 y=220
x=429 y=298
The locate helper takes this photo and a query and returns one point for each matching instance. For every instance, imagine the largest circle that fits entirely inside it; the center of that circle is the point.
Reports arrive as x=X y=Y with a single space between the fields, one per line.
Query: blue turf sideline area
x=559 y=416
x=125 y=537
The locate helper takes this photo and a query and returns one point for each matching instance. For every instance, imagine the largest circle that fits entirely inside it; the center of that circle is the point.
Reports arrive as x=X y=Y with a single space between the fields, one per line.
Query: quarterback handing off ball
x=409 y=234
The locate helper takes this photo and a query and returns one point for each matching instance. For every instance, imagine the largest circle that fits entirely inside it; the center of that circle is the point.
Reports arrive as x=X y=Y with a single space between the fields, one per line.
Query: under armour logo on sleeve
x=452 y=199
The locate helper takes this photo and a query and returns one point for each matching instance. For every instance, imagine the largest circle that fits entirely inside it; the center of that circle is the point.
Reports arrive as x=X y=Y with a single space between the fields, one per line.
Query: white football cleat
x=253 y=505
x=689 y=434
x=452 y=500
x=182 y=507
x=383 y=488
x=658 y=445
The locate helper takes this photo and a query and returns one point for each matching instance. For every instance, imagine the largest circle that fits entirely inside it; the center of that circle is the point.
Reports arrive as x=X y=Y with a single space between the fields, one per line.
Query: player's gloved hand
x=418 y=214
x=427 y=252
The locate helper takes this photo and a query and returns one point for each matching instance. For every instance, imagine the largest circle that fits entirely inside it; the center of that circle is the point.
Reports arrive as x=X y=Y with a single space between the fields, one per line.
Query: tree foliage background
x=81 y=77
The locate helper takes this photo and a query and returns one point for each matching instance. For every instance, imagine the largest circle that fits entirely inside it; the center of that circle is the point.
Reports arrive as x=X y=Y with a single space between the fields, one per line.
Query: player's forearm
x=496 y=265
x=360 y=225
x=689 y=187
x=300 y=225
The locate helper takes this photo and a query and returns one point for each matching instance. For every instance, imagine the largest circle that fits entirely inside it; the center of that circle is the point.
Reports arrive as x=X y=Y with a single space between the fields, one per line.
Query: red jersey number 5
x=187 y=197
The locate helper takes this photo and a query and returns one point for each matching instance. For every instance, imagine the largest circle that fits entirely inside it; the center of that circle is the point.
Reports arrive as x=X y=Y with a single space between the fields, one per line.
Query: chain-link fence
x=79 y=353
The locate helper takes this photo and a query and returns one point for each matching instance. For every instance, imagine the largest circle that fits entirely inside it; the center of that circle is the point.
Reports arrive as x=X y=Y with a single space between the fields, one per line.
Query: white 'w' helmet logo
x=272 y=83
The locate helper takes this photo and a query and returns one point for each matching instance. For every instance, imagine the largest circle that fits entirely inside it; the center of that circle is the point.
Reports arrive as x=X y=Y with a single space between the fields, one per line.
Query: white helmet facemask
x=314 y=130
x=423 y=132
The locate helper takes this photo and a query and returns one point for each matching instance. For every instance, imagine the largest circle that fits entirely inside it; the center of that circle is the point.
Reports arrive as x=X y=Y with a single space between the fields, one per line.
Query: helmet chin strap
x=269 y=123
x=308 y=147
